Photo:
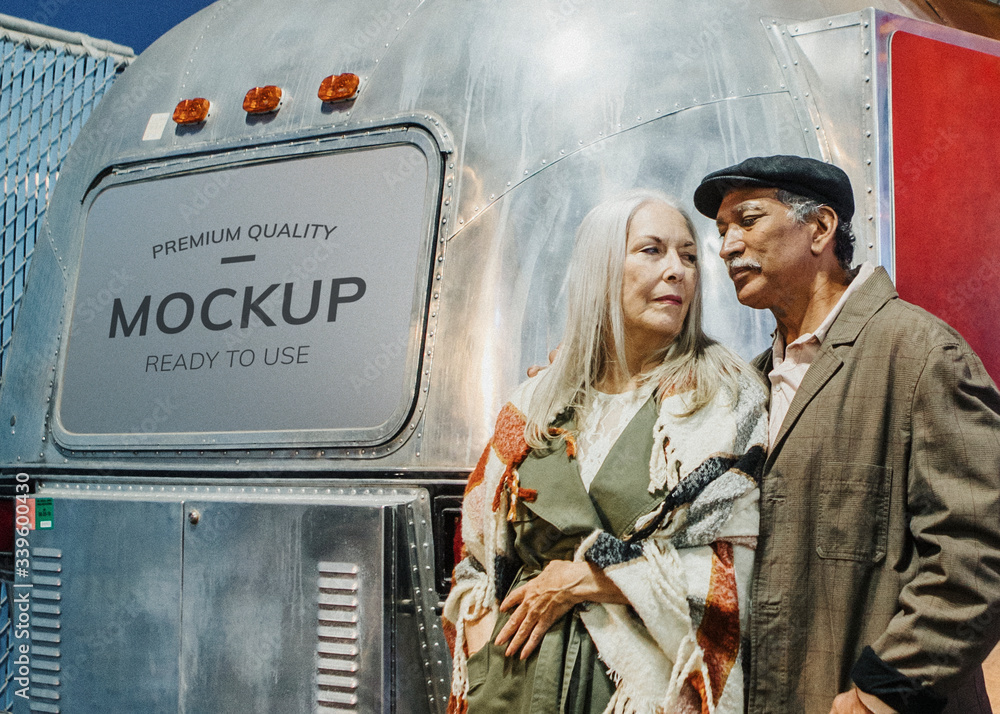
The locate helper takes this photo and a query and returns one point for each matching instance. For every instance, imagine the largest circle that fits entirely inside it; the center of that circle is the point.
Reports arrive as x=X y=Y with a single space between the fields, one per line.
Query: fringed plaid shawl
x=677 y=564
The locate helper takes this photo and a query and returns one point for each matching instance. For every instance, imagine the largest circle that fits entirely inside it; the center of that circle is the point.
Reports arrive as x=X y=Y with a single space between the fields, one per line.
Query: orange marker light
x=339 y=87
x=191 y=111
x=261 y=100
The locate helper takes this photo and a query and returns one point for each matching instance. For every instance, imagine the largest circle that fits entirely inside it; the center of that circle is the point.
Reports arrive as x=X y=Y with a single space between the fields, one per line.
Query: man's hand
x=535 y=369
x=849 y=703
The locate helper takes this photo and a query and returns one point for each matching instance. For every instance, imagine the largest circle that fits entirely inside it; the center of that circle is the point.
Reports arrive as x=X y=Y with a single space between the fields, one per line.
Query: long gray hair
x=594 y=339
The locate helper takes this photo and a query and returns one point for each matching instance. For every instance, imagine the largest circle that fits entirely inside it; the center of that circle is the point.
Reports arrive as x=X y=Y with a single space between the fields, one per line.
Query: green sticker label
x=43 y=513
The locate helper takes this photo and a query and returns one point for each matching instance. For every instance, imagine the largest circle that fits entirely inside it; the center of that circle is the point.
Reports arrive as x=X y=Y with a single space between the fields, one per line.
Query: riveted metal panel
x=213 y=597
x=104 y=587
x=286 y=607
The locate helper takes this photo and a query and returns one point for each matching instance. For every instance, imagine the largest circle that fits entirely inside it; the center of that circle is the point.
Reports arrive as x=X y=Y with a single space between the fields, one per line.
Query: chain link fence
x=50 y=81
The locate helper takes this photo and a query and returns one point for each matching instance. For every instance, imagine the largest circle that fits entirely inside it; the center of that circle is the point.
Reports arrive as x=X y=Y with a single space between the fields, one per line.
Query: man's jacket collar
x=858 y=310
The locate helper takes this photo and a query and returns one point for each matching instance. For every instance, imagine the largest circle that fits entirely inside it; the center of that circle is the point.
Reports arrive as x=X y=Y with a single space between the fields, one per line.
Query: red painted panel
x=946 y=173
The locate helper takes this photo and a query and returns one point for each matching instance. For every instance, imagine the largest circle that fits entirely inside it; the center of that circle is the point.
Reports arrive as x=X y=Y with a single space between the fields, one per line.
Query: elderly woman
x=609 y=525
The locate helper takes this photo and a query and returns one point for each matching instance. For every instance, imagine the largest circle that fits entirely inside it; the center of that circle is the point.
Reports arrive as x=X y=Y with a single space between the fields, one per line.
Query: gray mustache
x=741 y=263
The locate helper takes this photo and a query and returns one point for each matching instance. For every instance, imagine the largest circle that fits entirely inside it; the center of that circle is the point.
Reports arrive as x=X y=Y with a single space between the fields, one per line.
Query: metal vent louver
x=337 y=648
x=46 y=629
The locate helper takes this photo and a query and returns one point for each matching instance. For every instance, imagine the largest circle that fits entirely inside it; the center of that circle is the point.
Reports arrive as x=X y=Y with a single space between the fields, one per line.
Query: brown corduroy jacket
x=880 y=514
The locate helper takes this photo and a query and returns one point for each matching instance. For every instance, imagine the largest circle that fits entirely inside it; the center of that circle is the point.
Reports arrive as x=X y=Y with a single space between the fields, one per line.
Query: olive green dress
x=565 y=674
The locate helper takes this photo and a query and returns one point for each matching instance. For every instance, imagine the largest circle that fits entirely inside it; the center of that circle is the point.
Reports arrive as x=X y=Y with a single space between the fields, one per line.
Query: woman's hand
x=547 y=597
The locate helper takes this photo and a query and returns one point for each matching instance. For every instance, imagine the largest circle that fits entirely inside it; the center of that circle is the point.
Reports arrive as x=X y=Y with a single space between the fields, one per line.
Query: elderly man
x=877 y=580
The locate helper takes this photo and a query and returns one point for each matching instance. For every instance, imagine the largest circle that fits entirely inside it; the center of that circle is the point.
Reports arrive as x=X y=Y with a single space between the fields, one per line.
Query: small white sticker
x=155 y=126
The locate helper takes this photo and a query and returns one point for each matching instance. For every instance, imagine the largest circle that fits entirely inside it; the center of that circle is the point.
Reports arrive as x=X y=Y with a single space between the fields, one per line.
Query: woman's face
x=660 y=277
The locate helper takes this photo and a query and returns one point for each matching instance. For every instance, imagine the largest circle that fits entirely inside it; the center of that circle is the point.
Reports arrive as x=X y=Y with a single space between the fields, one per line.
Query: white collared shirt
x=791 y=363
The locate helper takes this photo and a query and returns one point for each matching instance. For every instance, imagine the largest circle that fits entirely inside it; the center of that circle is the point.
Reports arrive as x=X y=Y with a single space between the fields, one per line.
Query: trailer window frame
x=367 y=440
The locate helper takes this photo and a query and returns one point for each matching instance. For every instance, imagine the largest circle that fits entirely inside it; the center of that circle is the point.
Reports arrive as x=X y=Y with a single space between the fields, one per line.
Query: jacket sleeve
x=949 y=614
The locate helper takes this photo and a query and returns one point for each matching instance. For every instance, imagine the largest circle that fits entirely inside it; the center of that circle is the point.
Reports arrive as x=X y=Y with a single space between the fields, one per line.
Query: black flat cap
x=810 y=178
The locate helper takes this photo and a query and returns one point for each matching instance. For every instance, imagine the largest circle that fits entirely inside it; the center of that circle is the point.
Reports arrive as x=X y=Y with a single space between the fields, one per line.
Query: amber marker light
x=262 y=100
x=191 y=111
x=339 y=87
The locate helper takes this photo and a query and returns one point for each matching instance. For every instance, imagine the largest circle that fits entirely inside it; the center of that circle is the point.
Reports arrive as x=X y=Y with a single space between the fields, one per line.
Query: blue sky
x=134 y=23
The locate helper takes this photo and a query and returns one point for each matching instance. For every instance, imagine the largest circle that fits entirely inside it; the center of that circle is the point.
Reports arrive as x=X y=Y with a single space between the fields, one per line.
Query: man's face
x=765 y=249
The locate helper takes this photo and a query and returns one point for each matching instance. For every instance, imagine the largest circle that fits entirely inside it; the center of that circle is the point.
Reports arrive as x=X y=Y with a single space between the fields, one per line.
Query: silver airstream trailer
x=272 y=312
